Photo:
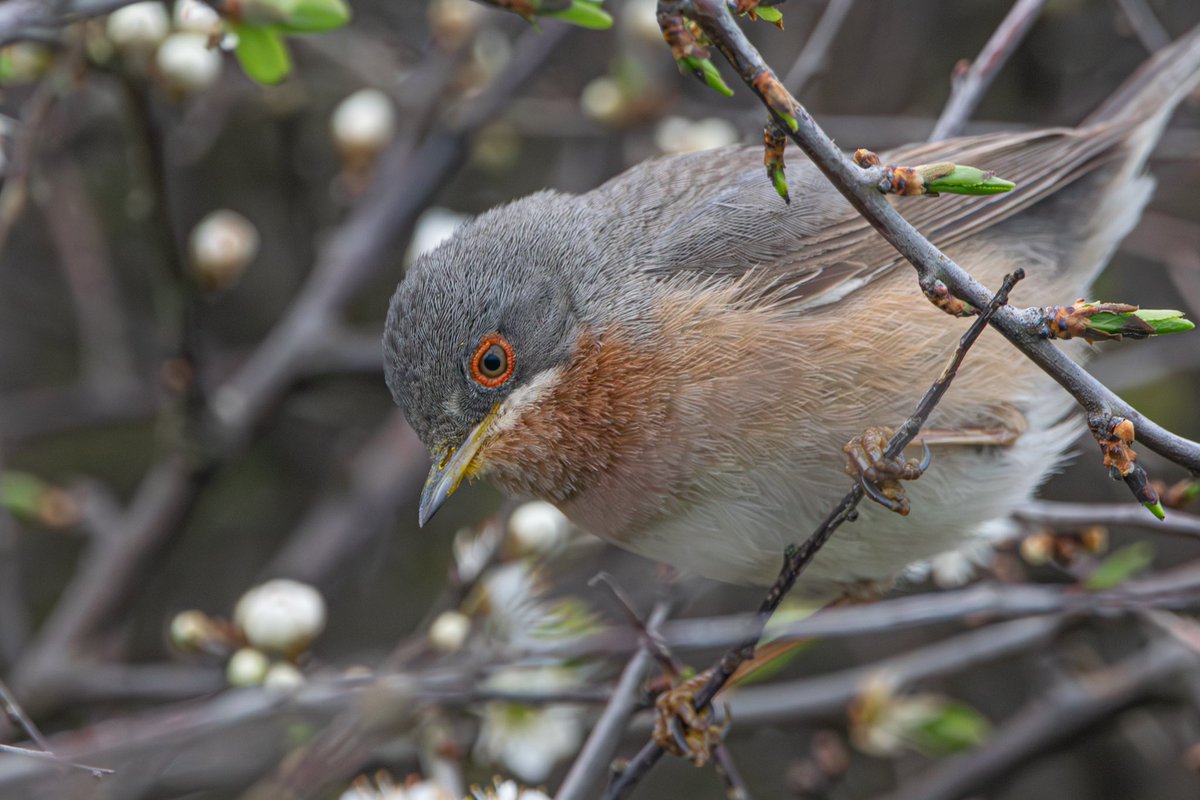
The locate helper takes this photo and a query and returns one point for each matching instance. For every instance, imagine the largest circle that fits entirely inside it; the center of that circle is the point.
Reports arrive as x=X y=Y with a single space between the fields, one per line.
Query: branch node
x=1116 y=435
x=939 y=294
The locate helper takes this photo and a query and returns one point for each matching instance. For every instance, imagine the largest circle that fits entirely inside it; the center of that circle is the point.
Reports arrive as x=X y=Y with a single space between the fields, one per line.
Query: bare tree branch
x=967 y=89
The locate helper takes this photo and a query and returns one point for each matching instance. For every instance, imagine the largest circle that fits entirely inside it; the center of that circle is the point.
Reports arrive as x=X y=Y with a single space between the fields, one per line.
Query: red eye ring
x=492 y=362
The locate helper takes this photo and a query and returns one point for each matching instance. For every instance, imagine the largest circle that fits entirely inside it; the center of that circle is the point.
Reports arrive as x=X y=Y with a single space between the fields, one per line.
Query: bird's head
x=476 y=332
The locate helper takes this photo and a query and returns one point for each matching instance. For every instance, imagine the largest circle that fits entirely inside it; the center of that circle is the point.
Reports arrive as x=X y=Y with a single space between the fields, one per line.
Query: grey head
x=474 y=321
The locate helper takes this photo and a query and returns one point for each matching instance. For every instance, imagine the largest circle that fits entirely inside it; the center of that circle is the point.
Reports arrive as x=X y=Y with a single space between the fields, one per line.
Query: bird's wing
x=715 y=217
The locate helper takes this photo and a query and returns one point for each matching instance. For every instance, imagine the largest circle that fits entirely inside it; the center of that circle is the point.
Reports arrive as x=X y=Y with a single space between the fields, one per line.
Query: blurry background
x=194 y=271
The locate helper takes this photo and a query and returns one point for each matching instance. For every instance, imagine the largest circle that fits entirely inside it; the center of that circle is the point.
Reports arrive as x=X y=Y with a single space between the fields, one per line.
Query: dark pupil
x=492 y=363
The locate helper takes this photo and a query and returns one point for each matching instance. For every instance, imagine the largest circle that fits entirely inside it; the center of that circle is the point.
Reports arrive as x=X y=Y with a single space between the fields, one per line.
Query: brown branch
x=967 y=89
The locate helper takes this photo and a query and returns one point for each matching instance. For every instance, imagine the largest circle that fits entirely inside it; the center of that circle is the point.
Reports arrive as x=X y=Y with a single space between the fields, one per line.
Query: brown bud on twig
x=1115 y=436
x=774 y=143
x=940 y=296
x=1067 y=322
x=777 y=97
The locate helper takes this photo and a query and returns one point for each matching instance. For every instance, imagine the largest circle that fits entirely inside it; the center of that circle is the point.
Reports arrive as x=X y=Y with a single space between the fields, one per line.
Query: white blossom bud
x=187 y=63
x=191 y=631
x=140 y=26
x=247 y=667
x=538 y=527
x=195 y=16
x=603 y=100
x=449 y=631
x=433 y=227
x=283 y=677
x=222 y=245
x=640 y=17
x=679 y=135
x=363 y=124
x=452 y=21
x=281 y=615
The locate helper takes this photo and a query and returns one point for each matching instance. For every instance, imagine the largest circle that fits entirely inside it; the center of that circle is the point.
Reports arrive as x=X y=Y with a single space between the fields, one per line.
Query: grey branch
x=968 y=89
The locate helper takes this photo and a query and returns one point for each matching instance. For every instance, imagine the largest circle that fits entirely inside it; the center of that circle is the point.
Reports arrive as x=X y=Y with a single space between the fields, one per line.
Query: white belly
x=742 y=539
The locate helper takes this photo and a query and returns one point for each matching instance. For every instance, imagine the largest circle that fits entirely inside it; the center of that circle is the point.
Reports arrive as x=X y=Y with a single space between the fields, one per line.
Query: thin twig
x=97 y=772
x=968 y=89
x=592 y=763
x=1145 y=25
x=799 y=558
x=1058 y=515
x=815 y=54
x=14 y=711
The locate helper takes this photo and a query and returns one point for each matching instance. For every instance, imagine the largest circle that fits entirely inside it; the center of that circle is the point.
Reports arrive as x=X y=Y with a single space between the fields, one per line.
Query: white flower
x=538 y=527
x=187 y=62
x=640 y=17
x=283 y=677
x=192 y=631
x=602 y=100
x=517 y=611
x=383 y=787
x=433 y=227
x=449 y=631
x=247 y=667
x=195 y=16
x=506 y=790
x=222 y=245
x=139 y=26
x=530 y=740
x=679 y=135
x=281 y=615
x=363 y=123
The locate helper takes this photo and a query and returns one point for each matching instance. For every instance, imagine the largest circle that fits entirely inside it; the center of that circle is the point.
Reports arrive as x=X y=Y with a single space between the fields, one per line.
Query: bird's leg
x=880 y=476
x=682 y=730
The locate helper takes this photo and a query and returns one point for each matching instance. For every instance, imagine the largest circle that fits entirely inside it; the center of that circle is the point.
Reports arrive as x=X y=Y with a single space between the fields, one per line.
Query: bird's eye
x=492 y=362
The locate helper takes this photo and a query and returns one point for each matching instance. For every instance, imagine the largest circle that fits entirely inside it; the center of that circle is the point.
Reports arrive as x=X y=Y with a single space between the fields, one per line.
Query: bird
x=677 y=358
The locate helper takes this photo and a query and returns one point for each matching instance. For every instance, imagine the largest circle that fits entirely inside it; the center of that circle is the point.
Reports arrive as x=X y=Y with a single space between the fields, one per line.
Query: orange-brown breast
x=603 y=429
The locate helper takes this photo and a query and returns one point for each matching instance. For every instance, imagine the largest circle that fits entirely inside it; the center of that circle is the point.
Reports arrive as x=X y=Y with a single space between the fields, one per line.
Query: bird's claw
x=682 y=730
x=880 y=476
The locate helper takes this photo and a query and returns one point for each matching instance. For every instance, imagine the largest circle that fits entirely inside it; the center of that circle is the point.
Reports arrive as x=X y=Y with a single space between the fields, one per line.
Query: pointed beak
x=449 y=470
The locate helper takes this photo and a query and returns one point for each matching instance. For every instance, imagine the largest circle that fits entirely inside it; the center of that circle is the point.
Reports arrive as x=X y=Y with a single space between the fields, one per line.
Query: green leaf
x=769 y=14
x=1162 y=321
x=967 y=180
x=295 y=16
x=262 y=54
x=707 y=70
x=585 y=14
x=779 y=181
x=20 y=493
x=954 y=728
x=1122 y=565
x=769 y=668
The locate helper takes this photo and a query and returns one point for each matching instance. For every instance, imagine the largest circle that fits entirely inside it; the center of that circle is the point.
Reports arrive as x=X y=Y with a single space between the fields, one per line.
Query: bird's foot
x=880 y=476
x=682 y=730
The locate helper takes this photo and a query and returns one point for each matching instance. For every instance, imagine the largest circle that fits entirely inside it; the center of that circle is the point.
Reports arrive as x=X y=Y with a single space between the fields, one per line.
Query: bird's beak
x=449 y=470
